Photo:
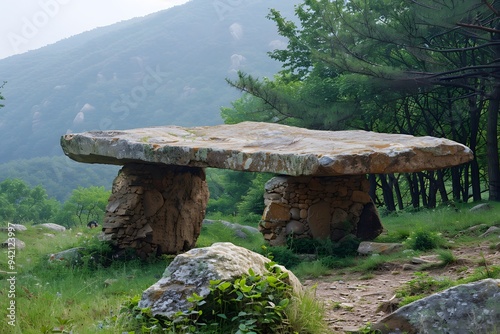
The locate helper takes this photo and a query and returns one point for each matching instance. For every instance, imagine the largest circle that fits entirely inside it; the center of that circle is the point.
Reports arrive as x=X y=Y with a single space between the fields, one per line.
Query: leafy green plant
x=249 y=305
x=424 y=240
x=446 y=256
x=283 y=255
x=368 y=330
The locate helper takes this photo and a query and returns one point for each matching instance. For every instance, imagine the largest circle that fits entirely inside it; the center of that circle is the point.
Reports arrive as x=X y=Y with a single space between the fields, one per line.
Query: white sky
x=30 y=24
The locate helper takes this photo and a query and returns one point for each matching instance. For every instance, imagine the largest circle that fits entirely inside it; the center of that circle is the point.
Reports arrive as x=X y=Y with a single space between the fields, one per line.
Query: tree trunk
x=373 y=188
x=492 y=145
x=394 y=184
x=475 y=115
x=414 y=191
x=456 y=185
x=387 y=192
x=432 y=200
x=423 y=194
x=441 y=186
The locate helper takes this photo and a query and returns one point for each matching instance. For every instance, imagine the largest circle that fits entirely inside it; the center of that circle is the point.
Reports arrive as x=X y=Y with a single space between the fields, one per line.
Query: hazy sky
x=30 y=24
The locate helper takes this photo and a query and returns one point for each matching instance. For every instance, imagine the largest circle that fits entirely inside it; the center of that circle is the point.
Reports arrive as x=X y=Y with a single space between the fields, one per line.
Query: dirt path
x=352 y=302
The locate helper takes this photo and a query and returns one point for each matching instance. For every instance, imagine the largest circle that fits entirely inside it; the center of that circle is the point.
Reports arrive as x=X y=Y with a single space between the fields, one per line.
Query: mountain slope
x=165 y=68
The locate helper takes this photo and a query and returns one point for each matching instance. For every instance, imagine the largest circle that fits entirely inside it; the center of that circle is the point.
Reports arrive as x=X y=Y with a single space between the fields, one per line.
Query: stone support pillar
x=156 y=209
x=318 y=207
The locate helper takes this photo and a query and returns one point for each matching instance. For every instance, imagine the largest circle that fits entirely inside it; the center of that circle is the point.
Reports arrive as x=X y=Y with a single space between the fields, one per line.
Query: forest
x=426 y=68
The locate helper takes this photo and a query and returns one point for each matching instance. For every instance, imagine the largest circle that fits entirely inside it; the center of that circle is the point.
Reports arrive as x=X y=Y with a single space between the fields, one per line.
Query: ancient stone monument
x=159 y=197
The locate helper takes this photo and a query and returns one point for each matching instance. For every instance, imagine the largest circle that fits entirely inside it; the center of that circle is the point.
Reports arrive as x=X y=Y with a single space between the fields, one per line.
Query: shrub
x=282 y=255
x=325 y=247
x=424 y=240
x=250 y=304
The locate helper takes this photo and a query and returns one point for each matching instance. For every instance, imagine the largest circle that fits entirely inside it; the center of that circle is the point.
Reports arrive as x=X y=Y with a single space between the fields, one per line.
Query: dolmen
x=159 y=197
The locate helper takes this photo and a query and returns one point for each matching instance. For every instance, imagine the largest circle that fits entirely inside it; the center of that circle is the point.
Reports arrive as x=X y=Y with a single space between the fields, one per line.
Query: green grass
x=217 y=232
x=50 y=296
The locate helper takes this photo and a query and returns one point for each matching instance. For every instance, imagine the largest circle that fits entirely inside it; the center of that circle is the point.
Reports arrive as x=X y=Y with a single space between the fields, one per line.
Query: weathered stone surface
x=490 y=231
x=267 y=147
x=276 y=212
x=320 y=207
x=69 y=256
x=319 y=220
x=467 y=308
x=294 y=227
x=481 y=207
x=18 y=244
x=13 y=227
x=192 y=271
x=156 y=209
x=368 y=248
x=53 y=227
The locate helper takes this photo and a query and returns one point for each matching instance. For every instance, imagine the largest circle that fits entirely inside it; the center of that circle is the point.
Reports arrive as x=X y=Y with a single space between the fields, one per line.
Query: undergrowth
x=251 y=304
x=86 y=297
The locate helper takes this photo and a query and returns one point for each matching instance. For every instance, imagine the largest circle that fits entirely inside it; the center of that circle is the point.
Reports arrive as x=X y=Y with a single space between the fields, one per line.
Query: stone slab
x=267 y=147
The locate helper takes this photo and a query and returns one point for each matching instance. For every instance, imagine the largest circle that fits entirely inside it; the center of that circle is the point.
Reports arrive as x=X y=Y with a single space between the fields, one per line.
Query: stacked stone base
x=156 y=209
x=319 y=208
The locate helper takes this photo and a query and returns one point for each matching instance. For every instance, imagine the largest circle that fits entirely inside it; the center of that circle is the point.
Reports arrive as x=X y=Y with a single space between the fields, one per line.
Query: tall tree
x=419 y=67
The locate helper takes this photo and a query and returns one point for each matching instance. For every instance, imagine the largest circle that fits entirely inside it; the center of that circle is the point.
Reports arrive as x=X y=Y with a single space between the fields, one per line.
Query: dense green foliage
x=420 y=68
x=251 y=304
x=19 y=203
x=234 y=193
x=83 y=206
x=58 y=175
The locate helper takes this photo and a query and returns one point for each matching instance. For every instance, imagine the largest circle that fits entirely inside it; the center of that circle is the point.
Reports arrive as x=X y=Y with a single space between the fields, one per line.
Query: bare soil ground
x=352 y=300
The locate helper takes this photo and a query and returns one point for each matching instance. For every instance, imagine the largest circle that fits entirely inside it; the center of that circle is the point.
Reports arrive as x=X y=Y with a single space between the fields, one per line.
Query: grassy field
x=54 y=297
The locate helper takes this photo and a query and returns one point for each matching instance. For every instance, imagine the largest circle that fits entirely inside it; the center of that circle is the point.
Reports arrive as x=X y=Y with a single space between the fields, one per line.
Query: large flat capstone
x=267 y=147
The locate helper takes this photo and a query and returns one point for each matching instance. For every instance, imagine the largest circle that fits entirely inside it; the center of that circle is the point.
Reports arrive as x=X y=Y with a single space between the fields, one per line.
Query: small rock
x=368 y=248
x=431 y=259
x=477 y=227
x=54 y=227
x=70 y=256
x=18 y=244
x=50 y=235
x=389 y=306
x=346 y=306
x=109 y=281
x=294 y=227
x=481 y=207
x=240 y=234
x=490 y=231
x=18 y=227
x=412 y=267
